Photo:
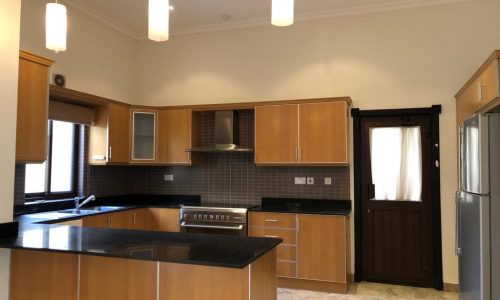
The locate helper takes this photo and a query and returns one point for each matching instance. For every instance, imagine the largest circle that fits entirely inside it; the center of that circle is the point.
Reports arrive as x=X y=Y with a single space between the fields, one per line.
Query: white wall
x=10 y=11
x=99 y=60
x=398 y=59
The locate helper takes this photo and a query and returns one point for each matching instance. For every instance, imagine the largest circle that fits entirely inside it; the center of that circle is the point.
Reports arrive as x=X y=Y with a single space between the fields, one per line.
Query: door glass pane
x=143 y=139
x=62 y=156
x=396 y=163
x=35 y=178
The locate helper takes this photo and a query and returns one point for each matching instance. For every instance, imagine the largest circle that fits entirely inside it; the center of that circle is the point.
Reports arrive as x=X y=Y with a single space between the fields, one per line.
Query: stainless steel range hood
x=226 y=134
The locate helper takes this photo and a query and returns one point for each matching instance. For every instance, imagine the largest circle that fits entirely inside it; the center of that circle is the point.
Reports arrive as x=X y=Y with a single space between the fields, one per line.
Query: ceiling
x=130 y=16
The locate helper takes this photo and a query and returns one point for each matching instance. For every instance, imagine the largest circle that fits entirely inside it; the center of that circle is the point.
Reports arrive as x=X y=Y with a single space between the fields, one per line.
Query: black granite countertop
x=305 y=206
x=184 y=248
x=36 y=233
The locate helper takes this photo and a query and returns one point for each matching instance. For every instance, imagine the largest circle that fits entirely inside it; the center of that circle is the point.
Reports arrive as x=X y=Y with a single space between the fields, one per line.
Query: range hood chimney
x=227 y=134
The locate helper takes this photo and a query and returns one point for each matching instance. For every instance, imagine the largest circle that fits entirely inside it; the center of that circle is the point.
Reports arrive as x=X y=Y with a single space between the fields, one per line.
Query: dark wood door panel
x=396 y=245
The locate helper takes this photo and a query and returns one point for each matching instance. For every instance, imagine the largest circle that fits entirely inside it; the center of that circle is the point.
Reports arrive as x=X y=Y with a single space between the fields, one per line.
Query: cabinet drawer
x=286 y=269
x=288 y=235
x=286 y=252
x=272 y=220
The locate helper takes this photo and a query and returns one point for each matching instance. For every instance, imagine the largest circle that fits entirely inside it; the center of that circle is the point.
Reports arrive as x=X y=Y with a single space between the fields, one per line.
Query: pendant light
x=159 y=11
x=282 y=12
x=56 y=24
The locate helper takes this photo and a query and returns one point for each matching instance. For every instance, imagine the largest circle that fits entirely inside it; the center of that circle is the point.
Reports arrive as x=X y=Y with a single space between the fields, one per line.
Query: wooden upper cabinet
x=322 y=251
x=276 y=134
x=178 y=129
x=323 y=133
x=482 y=92
x=314 y=133
x=32 y=108
x=110 y=135
x=143 y=135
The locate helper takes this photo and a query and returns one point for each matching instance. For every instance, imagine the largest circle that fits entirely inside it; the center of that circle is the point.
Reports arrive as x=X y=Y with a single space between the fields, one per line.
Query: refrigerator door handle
x=460 y=157
x=458 y=242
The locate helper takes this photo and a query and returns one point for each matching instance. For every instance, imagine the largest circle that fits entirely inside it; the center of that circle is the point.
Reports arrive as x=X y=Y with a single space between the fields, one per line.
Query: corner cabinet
x=144 y=135
x=32 y=108
x=178 y=129
x=315 y=252
x=482 y=92
x=110 y=135
x=315 y=133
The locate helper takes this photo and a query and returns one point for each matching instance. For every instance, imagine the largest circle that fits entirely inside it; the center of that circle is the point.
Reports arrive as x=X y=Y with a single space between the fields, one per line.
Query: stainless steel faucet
x=79 y=205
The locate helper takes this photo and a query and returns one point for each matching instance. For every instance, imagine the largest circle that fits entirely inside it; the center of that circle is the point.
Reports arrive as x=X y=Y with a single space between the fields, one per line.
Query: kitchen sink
x=89 y=210
x=76 y=211
x=102 y=208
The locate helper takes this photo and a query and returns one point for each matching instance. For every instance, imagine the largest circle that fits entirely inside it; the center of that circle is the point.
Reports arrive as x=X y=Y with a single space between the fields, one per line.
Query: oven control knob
x=194 y=216
x=217 y=217
x=205 y=216
x=185 y=216
x=211 y=217
x=228 y=218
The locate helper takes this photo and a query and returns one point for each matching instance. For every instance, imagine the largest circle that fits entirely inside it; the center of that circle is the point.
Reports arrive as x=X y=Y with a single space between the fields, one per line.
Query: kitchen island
x=68 y=262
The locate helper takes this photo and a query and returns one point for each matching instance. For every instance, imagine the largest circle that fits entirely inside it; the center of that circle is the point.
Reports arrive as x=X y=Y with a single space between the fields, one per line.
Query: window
x=56 y=177
x=396 y=163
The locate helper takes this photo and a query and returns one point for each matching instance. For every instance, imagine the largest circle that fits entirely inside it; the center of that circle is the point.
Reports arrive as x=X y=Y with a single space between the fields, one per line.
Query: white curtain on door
x=396 y=162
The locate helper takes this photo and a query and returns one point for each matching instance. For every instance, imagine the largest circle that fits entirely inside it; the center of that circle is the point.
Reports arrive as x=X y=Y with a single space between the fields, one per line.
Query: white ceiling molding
x=78 y=4
x=235 y=24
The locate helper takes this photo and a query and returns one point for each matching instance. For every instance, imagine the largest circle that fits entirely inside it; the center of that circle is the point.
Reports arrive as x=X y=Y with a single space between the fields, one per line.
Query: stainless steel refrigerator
x=478 y=208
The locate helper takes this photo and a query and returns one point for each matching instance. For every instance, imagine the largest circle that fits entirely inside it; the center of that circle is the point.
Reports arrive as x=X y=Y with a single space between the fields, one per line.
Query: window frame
x=47 y=194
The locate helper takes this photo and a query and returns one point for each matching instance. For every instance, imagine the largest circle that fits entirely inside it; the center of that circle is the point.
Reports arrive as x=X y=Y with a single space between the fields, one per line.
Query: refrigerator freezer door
x=474 y=242
x=474 y=163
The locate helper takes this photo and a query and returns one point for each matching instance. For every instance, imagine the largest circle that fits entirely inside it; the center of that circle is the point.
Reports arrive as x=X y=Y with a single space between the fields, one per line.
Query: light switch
x=310 y=180
x=300 y=180
x=168 y=177
x=328 y=180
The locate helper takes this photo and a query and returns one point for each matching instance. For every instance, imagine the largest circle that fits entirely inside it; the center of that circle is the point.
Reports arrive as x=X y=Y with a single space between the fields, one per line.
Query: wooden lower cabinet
x=314 y=253
x=36 y=275
x=105 y=278
x=127 y=219
x=162 y=219
x=322 y=248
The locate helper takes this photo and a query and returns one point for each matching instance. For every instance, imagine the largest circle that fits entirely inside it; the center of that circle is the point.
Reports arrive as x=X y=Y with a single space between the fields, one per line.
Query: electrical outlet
x=300 y=180
x=168 y=177
x=328 y=180
x=310 y=180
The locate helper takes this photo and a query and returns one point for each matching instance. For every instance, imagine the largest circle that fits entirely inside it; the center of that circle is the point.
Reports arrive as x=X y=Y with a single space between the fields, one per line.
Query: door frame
x=434 y=112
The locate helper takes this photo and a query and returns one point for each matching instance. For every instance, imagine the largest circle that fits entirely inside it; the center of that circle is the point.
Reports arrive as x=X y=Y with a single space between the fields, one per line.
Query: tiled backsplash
x=219 y=177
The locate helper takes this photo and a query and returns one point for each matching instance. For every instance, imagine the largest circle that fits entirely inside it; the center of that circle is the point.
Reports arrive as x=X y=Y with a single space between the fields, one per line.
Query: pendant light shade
x=282 y=12
x=158 y=20
x=56 y=24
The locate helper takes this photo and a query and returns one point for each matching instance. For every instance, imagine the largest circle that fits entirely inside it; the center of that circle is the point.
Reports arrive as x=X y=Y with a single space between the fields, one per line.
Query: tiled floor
x=370 y=291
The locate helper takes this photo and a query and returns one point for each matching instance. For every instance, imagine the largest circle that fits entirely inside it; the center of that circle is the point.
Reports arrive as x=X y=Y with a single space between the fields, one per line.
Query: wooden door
x=144 y=135
x=323 y=133
x=118 y=133
x=174 y=128
x=97 y=221
x=162 y=219
x=122 y=219
x=32 y=108
x=276 y=134
x=397 y=234
x=321 y=253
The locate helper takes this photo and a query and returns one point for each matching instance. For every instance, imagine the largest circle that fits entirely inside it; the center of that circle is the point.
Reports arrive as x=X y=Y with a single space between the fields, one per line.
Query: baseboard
x=313 y=285
x=450 y=287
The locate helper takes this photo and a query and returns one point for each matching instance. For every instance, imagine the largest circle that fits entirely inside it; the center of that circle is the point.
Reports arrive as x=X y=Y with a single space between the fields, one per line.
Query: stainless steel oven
x=214 y=219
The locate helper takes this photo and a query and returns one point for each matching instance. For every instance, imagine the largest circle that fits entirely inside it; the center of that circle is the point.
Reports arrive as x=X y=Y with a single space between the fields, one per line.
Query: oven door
x=214 y=228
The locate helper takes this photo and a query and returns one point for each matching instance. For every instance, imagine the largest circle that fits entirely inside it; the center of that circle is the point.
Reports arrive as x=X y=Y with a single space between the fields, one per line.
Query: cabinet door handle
x=300 y=154
x=297 y=153
x=189 y=156
x=110 y=221
x=271 y=236
x=134 y=218
x=271 y=220
x=480 y=91
x=109 y=152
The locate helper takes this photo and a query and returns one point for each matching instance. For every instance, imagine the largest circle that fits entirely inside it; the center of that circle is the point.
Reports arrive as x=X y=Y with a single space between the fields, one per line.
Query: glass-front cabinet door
x=143 y=135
